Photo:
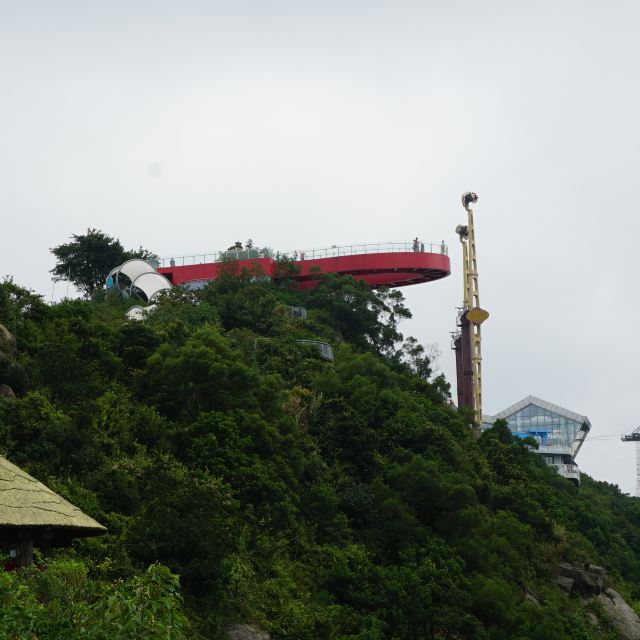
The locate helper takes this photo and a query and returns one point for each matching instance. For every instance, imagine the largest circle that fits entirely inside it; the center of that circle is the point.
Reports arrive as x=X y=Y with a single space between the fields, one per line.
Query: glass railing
x=375 y=247
x=334 y=251
x=325 y=350
x=569 y=471
x=556 y=446
x=218 y=256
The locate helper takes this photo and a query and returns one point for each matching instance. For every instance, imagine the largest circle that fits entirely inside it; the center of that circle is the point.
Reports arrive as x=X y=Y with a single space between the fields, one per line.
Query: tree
x=58 y=601
x=417 y=358
x=366 y=318
x=88 y=258
x=188 y=521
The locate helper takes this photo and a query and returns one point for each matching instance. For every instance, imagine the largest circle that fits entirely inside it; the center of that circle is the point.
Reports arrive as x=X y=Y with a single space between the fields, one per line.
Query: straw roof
x=27 y=503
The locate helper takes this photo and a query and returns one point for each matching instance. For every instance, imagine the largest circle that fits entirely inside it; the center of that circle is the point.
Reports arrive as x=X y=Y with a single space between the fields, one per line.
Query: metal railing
x=334 y=251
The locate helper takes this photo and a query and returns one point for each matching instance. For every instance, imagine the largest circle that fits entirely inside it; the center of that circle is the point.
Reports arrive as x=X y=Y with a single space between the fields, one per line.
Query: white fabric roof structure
x=130 y=268
x=139 y=313
x=134 y=268
x=135 y=313
x=150 y=283
x=143 y=279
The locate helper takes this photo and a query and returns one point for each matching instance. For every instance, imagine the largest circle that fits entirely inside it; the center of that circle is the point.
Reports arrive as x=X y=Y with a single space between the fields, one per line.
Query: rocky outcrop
x=531 y=597
x=7 y=355
x=589 y=583
x=7 y=342
x=583 y=582
x=624 y=619
x=247 y=632
x=7 y=392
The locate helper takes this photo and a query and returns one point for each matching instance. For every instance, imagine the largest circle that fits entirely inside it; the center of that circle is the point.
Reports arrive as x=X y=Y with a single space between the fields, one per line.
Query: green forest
x=243 y=477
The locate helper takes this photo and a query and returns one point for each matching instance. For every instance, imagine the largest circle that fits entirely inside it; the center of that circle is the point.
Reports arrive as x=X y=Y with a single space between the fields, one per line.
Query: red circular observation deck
x=384 y=264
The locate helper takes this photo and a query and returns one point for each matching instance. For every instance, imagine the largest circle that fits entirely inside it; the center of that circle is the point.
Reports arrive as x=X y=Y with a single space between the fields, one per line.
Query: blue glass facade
x=546 y=426
x=559 y=432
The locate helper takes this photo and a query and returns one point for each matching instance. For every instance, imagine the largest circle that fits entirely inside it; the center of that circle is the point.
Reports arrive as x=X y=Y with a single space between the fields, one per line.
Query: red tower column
x=462 y=345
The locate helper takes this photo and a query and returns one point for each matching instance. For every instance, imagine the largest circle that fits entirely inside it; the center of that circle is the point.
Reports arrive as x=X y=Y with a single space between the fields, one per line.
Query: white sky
x=185 y=126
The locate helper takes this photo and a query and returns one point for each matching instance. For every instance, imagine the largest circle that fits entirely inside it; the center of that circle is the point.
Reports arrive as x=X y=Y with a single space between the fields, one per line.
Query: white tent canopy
x=130 y=268
x=135 y=313
x=139 y=313
x=134 y=268
x=150 y=283
x=144 y=280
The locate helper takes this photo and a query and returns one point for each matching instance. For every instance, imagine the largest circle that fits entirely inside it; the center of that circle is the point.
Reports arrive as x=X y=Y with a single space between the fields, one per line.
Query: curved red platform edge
x=377 y=269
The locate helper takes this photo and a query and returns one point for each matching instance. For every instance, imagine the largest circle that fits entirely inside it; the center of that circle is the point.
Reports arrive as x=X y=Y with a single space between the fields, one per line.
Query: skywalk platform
x=383 y=264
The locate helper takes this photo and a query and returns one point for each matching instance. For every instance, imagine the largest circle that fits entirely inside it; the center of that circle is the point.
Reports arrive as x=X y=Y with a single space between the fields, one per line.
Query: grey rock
x=568 y=570
x=589 y=583
x=531 y=597
x=566 y=584
x=593 y=619
x=6 y=392
x=623 y=617
x=247 y=632
x=7 y=341
x=586 y=582
x=597 y=571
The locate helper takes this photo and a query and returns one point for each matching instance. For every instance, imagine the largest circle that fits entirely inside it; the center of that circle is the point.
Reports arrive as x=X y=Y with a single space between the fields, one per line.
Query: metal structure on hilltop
x=634 y=436
x=467 y=341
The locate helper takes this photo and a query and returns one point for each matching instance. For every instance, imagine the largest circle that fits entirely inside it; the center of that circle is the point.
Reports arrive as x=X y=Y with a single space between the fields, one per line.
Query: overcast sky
x=185 y=126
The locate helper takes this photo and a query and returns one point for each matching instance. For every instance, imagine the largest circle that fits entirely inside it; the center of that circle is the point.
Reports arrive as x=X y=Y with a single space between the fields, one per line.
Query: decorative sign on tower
x=467 y=340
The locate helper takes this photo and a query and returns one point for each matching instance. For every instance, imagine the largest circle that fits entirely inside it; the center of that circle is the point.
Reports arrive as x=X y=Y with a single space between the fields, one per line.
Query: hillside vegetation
x=320 y=500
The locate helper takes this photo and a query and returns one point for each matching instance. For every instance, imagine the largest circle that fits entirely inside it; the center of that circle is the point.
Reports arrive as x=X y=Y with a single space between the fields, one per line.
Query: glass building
x=559 y=432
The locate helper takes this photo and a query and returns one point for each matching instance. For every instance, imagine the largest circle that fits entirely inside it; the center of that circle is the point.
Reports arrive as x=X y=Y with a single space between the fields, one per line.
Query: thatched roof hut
x=31 y=514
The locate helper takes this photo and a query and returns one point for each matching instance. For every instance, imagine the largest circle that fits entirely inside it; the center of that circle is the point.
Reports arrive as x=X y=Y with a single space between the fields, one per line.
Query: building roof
x=570 y=415
x=25 y=502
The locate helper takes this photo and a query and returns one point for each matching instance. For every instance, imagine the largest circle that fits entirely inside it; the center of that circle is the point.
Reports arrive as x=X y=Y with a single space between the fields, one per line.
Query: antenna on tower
x=468 y=342
x=634 y=436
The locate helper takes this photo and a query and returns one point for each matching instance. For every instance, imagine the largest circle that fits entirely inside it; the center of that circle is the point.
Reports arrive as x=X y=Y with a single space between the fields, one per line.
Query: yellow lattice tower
x=471 y=305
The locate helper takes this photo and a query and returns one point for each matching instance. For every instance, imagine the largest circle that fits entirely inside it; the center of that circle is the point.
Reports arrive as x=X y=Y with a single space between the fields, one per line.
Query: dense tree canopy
x=342 y=500
x=88 y=258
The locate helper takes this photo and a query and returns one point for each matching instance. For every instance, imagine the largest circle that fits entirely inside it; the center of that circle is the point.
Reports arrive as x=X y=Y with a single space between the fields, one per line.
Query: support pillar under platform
x=464 y=364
